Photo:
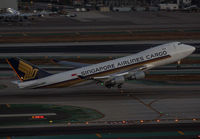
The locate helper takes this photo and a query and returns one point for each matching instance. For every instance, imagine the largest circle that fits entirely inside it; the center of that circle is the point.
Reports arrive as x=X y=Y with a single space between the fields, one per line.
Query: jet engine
x=119 y=80
x=136 y=75
x=115 y=81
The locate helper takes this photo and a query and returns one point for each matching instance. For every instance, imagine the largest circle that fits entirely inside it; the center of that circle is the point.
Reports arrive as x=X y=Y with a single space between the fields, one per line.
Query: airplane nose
x=193 y=48
x=190 y=48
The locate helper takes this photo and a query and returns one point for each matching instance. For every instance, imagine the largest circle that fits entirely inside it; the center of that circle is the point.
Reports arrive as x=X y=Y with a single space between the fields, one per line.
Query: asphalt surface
x=178 y=131
x=136 y=101
x=176 y=107
x=95 y=20
x=106 y=48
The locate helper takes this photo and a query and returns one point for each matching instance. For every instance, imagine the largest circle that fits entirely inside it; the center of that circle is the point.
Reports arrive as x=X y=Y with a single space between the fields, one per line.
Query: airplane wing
x=68 y=63
x=137 y=73
x=26 y=14
x=109 y=80
x=5 y=15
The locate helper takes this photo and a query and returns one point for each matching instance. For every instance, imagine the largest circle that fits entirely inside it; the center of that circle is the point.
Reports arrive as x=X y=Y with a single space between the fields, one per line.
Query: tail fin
x=26 y=71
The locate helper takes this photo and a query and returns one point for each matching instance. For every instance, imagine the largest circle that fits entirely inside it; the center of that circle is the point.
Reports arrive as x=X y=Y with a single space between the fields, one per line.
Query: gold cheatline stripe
x=77 y=80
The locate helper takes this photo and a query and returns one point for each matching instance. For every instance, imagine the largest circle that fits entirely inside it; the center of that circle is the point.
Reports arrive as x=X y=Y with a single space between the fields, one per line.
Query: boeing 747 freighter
x=111 y=73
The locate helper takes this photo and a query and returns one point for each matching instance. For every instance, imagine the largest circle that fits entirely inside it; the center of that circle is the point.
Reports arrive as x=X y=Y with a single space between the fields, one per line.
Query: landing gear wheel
x=178 y=65
x=109 y=86
x=119 y=86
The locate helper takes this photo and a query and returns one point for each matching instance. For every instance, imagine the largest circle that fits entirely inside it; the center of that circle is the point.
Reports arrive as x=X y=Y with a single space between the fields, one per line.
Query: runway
x=163 y=111
x=134 y=102
x=89 y=48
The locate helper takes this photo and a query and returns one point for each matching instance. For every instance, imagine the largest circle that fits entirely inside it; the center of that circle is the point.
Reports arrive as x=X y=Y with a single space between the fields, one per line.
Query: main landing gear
x=119 y=86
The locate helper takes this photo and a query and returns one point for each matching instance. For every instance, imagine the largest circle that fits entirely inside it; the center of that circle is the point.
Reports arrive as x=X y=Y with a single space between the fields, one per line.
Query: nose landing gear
x=178 y=65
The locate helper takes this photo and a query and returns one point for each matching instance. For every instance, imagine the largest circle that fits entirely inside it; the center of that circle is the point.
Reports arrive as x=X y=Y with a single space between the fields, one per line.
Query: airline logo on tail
x=29 y=71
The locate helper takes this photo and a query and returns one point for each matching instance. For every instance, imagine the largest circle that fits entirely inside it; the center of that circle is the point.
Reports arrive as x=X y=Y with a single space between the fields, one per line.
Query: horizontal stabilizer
x=15 y=82
x=68 y=63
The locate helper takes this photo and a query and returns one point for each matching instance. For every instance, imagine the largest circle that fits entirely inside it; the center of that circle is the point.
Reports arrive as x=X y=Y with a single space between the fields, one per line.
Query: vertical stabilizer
x=25 y=70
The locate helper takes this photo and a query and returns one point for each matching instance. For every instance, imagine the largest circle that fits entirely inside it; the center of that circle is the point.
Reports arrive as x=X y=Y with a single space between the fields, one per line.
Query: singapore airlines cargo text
x=124 y=63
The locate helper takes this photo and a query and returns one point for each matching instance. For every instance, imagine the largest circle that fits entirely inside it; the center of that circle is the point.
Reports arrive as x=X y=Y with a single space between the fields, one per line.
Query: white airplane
x=14 y=15
x=110 y=73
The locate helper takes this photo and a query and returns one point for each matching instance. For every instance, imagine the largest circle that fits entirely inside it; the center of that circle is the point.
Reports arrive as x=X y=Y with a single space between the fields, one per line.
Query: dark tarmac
x=164 y=131
x=95 y=20
x=134 y=102
x=78 y=48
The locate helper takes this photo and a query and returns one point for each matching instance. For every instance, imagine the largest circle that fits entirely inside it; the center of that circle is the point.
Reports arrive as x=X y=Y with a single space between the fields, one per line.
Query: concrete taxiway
x=134 y=102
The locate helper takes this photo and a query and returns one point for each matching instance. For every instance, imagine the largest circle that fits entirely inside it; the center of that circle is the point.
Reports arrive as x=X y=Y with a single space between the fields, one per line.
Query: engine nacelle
x=115 y=81
x=119 y=80
x=136 y=75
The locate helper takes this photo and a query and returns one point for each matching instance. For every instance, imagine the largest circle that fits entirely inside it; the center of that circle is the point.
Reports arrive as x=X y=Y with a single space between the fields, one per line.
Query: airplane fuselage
x=150 y=58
